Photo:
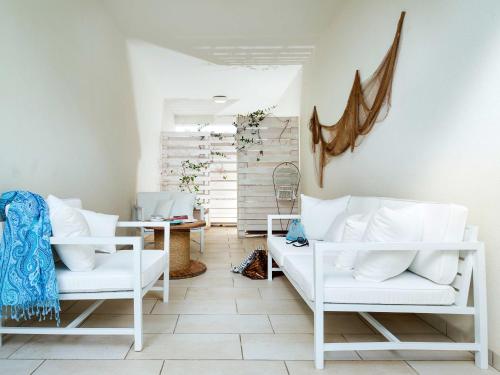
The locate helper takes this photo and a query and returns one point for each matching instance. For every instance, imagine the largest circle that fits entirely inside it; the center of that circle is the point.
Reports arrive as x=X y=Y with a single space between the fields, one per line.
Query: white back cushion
x=101 y=225
x=67 y=221
x=336 y=230
x=73 y=202
x=388 y=225
x=163 y=208
x=183 y=205
x=354 y=230
x=443 y=222
x=148 y=200
x=317 y=215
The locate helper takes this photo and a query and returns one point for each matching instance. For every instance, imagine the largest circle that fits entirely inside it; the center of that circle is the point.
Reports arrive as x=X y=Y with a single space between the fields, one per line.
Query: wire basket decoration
x=286 y=181
x=285 y=193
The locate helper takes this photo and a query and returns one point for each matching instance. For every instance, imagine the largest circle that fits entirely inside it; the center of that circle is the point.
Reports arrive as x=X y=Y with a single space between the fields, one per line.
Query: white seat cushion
x=279 y=249
x=113 y=272
x=341 y=287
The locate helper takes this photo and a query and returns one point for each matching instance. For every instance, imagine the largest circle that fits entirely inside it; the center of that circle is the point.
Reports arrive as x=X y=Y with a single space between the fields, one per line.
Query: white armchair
x=147 y=201
x=126 y=274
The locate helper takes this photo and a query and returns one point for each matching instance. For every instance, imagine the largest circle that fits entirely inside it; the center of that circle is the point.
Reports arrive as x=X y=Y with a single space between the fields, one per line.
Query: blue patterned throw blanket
x=28 y=285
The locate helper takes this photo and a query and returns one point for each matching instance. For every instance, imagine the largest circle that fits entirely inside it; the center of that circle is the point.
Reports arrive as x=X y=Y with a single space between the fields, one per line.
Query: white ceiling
x=187 y=84
x=231 y=32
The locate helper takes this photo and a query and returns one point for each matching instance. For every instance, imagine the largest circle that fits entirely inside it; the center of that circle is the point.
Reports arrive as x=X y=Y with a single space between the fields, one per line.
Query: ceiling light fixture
x=220 y=99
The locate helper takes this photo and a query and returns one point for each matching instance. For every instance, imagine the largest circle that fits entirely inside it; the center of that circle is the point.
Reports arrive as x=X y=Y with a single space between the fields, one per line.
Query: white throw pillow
x=101 y=225
x=164 y=208
x=388 y=225
x=183 y=205
x=317 y=215
x=442 y=223
x=67 y=221
x=336 y=230
x=73 y=202
x=354 y=230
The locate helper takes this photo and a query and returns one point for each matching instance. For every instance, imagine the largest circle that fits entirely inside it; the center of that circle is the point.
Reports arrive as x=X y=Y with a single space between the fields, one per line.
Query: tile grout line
x=37 y=367
x=176 y=323
x=162 y=366
x=241 y=347
x=360 y=357
x=25 y=343
x=411 y=367
x=128 y=351
x=286 y=367
x=270 y=323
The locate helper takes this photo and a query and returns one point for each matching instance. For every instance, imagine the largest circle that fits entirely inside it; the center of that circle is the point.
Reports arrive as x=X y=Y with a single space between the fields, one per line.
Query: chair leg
x=138 y=324
x=319 y=353
x=0 y=333
x=166 y=280
x=480 y=314
x=202 y=240
x=269 y=266
x=481 y=356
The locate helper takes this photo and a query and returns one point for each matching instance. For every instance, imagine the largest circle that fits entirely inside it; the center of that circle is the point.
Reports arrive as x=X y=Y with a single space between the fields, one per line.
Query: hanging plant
x=190 y=171
x=248 y=130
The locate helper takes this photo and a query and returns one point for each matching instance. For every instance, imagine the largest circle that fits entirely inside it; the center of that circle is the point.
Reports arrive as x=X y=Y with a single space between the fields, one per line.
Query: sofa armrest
x=322 y=246
x=270 y=219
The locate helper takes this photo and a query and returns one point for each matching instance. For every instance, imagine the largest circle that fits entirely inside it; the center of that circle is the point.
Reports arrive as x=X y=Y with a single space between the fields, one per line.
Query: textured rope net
x=368 y=103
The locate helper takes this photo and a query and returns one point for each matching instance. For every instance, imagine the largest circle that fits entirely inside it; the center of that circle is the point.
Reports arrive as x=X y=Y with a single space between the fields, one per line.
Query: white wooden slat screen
x=218 y=183
x=256 y=195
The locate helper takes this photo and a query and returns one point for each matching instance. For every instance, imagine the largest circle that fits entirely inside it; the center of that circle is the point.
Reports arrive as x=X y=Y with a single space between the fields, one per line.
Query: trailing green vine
x=248 y=130
x=190 y=171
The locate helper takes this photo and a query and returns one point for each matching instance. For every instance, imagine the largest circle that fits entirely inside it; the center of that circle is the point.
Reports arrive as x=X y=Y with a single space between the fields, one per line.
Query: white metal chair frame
x=136 y=294
x=471 y=263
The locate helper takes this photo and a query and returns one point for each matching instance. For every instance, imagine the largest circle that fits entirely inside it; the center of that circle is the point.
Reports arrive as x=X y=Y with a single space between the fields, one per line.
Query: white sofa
x=125 y=274
x=324 y=288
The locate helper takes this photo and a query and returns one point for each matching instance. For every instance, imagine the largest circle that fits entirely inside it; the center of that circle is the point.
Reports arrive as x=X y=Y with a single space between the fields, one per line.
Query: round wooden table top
x=184 y=226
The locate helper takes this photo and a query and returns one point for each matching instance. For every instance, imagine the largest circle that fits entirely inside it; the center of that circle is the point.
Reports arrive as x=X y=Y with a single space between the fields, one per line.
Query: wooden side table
x=181 y=264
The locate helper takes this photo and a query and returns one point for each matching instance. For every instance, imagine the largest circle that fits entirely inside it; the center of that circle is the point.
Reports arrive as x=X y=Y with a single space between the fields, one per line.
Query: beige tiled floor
x=223 y=324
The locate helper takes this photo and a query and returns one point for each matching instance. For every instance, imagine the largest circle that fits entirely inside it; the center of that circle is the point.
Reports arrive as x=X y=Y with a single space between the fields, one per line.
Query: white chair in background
x=126 y=274
x=183 y=204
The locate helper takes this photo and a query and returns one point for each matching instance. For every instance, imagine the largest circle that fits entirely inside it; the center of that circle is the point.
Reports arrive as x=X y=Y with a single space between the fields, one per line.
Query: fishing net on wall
x=368 y=103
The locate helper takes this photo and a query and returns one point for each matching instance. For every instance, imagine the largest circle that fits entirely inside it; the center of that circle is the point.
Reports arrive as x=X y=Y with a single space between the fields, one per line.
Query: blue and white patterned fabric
x=28 y=285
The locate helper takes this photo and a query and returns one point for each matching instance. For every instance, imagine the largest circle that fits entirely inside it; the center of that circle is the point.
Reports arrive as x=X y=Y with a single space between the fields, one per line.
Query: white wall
x=441 y=139
x=67 y=124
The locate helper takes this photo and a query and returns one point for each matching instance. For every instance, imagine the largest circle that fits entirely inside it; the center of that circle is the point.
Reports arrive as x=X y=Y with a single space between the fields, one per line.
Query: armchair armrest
x=270 y=219
x=136 y=242
x=144 y=224
x=138 y=212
